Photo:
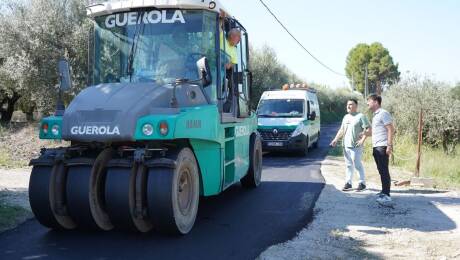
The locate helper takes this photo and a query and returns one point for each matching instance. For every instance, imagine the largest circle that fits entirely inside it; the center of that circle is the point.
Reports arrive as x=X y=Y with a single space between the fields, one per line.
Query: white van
x=289 y=119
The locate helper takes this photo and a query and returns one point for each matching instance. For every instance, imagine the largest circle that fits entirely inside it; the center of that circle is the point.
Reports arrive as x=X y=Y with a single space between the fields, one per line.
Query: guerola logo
x=94 y=130
x=152 y=17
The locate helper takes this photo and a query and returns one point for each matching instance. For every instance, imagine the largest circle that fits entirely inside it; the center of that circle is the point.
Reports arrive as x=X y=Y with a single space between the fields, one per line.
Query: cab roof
x=98 y=8
x=285 y=94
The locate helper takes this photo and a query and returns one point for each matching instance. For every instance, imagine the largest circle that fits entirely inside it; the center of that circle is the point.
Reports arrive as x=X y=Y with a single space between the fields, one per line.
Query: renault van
x=289 y=119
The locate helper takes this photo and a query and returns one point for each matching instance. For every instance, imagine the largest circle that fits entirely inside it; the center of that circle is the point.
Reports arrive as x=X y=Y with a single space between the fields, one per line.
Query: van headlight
x=298 y=130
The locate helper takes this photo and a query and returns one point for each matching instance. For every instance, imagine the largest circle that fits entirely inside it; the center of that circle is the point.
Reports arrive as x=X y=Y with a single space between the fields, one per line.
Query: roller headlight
x=55 y=130
x=147 y=129
x=298 y=130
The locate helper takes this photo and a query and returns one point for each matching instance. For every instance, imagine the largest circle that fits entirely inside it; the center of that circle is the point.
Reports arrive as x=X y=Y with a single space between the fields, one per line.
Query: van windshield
x=281 y=108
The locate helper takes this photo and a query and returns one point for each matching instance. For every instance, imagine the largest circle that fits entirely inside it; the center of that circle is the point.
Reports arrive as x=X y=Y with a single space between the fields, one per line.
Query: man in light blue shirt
x=352 y=130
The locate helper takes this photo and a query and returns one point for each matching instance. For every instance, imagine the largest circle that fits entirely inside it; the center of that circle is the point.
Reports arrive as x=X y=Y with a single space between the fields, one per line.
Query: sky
x=422 y=36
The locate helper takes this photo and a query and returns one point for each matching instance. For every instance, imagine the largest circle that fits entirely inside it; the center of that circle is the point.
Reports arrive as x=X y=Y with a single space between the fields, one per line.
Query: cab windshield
x=152 y=46
x=281 y=108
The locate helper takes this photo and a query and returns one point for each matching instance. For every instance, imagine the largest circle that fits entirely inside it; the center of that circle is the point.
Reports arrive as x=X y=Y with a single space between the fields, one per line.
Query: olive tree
x=441 y=110
x=35 y=35
x=268 y=72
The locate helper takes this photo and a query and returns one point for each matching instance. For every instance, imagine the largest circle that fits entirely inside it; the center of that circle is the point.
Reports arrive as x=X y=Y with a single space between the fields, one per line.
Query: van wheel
x=304 y=150
x=315 y=145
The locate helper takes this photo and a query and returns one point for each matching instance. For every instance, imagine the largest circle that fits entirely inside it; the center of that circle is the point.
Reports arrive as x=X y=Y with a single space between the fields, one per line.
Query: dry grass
x=18 y=145
x=444 y=169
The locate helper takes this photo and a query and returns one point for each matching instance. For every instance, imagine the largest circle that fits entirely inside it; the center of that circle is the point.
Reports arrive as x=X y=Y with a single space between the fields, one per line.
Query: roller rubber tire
x=78 y=190
x=42 y=197
x=254 y=175
x=85 y=194
x=120 y=199
x=173 y=195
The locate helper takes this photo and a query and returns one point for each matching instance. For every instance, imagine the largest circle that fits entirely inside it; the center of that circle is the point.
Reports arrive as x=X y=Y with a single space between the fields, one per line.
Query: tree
x=268 y=72
x=441 y=123
x=455 y=91
x=382 y=71
x=35 y=35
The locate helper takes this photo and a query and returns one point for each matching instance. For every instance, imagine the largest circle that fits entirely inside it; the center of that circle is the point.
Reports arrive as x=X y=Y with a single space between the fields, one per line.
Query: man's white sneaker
x=384 y=199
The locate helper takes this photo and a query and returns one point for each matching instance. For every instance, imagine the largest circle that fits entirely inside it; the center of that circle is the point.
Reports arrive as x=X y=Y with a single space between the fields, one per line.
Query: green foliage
x=441 y=116
x=455 y=91
x=268 y=72
x=382 y=71
x=333 y=102
x=35 y=35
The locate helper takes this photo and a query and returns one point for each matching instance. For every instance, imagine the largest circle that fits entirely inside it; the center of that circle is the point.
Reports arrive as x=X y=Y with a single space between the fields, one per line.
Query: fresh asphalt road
x=237 y=224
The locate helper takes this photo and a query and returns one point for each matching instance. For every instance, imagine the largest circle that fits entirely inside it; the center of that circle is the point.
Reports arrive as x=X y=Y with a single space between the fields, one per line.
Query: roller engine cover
x=109 y=112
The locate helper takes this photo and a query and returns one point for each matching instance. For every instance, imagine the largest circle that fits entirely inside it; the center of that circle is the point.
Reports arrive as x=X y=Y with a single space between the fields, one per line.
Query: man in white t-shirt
x=352 y=130
x=382 y=143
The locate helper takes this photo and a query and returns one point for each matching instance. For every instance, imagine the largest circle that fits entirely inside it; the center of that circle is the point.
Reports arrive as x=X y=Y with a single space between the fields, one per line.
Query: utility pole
x=352 y=83
x=419 y=146
x=365 y=82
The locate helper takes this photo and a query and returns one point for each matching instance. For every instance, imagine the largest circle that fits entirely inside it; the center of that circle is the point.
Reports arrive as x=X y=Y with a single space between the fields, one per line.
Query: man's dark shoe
x=361 y=187
x=347 y=187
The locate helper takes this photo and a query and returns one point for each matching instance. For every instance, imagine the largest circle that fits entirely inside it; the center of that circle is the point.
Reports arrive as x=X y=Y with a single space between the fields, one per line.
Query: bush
x=441 y=111
x=333 y=103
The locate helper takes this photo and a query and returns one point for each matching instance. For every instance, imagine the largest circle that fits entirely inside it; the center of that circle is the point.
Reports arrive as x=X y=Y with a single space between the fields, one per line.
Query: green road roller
x=165 y=120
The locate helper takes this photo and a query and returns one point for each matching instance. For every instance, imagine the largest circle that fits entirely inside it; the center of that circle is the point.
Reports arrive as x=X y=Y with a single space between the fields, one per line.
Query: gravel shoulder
x=423 y=224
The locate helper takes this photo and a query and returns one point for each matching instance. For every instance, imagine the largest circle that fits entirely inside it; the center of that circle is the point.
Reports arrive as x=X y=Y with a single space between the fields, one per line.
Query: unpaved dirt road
x=423 y=224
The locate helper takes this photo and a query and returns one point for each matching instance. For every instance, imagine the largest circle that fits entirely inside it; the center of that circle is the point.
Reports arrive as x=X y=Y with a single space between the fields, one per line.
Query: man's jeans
x=353 y=161
x=381 y=159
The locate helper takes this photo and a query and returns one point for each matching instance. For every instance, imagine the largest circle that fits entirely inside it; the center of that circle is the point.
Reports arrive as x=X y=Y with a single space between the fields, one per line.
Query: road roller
x=164 y=121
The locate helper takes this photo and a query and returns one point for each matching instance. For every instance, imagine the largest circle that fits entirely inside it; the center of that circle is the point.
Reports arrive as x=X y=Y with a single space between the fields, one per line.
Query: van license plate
x=275 y=144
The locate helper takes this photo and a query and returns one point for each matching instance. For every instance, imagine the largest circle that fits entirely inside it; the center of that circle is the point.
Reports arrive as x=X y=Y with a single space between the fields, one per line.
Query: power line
x=295 y=39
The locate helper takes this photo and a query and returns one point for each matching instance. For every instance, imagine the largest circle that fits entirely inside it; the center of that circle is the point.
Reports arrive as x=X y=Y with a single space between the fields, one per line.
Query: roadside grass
x=330 y=117
x=444 y=169
x=11 y=216
x=20 y=144
x=7 y=162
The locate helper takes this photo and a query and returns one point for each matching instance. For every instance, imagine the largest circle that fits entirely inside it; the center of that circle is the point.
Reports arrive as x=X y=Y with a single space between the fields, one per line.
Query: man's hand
x=333 y=143
x=361 y=142
x=367 y=132
x=389 y=150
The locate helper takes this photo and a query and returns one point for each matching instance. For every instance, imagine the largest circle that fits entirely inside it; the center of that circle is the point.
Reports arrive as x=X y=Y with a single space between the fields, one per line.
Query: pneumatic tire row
x=106 y=193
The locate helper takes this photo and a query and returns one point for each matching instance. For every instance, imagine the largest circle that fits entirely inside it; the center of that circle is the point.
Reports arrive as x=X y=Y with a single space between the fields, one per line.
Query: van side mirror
x=64 y=75
x=204 y=71
x=312 y=116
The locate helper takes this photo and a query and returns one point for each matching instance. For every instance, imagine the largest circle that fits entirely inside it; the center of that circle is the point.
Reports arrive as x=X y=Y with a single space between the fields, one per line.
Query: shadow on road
x=237 y=224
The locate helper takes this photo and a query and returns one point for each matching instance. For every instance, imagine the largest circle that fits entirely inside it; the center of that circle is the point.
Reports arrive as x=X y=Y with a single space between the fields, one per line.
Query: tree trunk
x=378 y=87
x=445 y=138
x=8 y=111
